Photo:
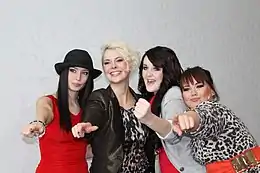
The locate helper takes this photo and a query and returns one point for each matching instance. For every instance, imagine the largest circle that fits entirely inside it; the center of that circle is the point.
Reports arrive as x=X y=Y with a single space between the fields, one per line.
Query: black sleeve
x=95 y=109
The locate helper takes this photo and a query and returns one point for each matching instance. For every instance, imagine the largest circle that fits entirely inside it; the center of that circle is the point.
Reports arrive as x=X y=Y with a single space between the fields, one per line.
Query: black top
x=108 y=141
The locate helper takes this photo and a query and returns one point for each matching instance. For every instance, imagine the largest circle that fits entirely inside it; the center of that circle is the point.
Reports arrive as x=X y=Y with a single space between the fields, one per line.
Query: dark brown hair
x=200 y=75
x=165 y=58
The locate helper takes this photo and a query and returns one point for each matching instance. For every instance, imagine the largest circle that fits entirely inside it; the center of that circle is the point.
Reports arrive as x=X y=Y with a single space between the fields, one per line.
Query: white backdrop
x=221 y=35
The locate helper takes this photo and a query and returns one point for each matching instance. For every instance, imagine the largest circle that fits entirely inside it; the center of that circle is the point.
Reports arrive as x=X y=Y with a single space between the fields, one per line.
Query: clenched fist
x=142 y=111
x=183 y=123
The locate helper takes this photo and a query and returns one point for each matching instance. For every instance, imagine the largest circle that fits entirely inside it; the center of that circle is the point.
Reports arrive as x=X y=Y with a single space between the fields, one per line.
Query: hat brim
x=59 y=67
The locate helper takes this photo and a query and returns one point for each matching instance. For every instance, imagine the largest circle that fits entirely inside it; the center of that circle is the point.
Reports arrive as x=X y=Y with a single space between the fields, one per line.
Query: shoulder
x=211 y=104
x=214 y=106
x=172 y=103
x=44 y=101
x=99 y=93
x=99 y=97
x=173 y=93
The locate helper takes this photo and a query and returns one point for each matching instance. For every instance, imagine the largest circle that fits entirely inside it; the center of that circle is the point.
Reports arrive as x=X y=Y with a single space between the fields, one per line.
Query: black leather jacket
x=103 y=110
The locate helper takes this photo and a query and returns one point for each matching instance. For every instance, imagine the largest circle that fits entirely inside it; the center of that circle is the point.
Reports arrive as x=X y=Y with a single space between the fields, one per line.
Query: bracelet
x=44 y=125
x=38 y=121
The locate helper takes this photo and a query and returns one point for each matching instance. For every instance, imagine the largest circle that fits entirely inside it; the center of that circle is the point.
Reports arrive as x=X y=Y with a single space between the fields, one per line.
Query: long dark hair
x=165 y=58
x=63 y=101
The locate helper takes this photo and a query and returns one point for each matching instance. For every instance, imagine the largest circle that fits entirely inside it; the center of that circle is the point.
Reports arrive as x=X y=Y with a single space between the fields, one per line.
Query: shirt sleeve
x=213 y=117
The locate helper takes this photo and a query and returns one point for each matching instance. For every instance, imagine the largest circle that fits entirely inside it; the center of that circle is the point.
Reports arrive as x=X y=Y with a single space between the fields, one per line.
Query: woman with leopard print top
x=120 y=144
x=219 y=139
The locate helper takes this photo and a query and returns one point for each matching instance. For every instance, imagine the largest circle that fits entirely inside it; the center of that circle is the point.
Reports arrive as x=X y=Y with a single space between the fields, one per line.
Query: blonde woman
x=120 y=142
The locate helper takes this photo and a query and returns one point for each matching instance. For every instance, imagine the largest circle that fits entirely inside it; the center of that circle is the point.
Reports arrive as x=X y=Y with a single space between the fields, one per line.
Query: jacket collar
x=113 y=95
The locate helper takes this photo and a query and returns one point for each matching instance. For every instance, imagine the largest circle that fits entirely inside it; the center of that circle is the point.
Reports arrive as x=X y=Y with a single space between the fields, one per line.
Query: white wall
x=221 y=35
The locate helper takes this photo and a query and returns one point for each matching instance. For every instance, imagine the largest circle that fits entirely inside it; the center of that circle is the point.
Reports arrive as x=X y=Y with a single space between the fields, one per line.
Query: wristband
x=44 y=125
x=38 y=121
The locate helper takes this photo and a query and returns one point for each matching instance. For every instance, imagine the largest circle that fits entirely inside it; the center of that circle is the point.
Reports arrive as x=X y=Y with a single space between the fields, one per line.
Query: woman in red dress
x=58 y=112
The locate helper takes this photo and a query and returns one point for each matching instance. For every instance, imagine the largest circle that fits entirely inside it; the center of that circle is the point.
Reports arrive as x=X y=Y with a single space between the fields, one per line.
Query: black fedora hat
x=77 y=58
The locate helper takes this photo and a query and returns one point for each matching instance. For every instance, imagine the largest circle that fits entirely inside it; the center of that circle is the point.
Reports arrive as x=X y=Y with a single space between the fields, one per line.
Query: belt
x=237 y=164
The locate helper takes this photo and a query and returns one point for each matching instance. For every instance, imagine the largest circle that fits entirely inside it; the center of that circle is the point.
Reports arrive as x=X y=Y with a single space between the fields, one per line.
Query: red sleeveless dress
x=165 y=165
x=60 y=151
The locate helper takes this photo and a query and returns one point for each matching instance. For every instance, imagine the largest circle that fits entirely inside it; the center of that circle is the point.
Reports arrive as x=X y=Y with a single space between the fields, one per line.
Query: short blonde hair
x=131 y=56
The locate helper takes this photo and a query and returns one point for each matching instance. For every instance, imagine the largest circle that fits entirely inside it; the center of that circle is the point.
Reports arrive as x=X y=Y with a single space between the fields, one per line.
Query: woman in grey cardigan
x=159 y=72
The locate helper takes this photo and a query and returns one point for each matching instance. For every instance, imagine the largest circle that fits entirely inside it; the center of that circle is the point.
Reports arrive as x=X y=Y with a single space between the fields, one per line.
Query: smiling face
x=194 y=93
x=77 y=78
x=115 y=67
x=152 y=76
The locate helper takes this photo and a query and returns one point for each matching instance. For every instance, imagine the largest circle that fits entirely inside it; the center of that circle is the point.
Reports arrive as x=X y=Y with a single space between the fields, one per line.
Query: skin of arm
x=159 y=125
x=44 y=110
x=172 y=104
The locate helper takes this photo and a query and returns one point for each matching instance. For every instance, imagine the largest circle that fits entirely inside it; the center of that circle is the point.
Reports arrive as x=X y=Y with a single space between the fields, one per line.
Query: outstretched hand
x=33 y=129
x=79 y=130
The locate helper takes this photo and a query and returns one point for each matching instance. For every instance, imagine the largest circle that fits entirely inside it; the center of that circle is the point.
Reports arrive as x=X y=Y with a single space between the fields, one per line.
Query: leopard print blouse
x=135 y=160
x=220 y=136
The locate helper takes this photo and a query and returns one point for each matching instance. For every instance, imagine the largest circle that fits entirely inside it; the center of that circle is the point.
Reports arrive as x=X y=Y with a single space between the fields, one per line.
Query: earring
x=213 y=97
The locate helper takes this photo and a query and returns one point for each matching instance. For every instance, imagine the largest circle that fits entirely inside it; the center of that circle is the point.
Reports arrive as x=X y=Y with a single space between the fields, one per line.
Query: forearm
x=161 y=126
x=43 y=117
